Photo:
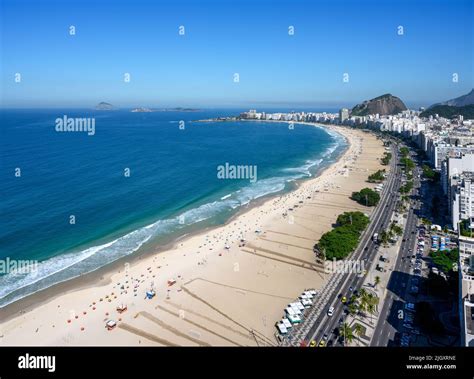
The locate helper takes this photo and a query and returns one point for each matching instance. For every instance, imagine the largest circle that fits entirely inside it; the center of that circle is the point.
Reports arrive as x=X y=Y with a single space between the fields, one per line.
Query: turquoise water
x=172 y=188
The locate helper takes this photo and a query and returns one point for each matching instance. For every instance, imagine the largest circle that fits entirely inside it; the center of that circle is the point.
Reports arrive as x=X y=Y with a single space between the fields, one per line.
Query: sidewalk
x=391 y=254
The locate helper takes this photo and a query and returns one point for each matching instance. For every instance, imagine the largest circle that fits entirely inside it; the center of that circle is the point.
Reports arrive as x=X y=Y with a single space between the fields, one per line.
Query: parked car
x=409 y=306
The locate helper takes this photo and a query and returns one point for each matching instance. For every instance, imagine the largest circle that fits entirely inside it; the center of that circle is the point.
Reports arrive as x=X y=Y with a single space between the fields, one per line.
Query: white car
x=330 y=311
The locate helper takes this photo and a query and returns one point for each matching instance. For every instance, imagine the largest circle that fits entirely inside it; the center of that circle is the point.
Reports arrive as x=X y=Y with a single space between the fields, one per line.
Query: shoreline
x=106 y=275
x=102 y=274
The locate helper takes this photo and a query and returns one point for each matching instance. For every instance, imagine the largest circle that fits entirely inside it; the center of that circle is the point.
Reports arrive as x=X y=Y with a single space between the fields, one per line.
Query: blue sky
x=226 y=37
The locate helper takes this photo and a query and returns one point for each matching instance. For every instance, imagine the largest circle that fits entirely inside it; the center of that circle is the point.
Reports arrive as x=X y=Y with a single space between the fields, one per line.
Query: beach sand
x=225 y=293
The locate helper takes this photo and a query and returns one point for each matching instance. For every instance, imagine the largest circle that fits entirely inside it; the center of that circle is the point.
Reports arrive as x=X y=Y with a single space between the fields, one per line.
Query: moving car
x=330 y=311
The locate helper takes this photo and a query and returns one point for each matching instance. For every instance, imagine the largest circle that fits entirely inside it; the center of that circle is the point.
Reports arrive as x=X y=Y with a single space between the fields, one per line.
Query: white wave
x=16 y=285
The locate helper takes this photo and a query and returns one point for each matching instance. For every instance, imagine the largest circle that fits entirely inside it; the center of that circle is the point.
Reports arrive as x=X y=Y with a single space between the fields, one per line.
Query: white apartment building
x=462 y=199
x=343 y=115
x=454 y=166
x=466 y=290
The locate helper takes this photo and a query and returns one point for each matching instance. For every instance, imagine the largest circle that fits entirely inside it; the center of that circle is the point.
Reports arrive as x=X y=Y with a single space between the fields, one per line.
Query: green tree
x=353 y=307
x=445 y=260
x=376 y=281
x=376 y=176
x=366 y=196
x=396 y=229
x=372 y=302
x=429 y=173
x=346 y=332
x=343 y=239
x=356 y=220
x=384 y=237
x=386 y=158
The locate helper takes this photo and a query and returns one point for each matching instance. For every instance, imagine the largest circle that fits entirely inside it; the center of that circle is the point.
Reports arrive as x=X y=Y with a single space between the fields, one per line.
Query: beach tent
x=110 y=324
x=121 y=308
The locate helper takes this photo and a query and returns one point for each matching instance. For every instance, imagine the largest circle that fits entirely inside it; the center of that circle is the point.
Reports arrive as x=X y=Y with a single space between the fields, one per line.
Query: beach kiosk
x=294 y=319
x=281 y=328
x=286 y=322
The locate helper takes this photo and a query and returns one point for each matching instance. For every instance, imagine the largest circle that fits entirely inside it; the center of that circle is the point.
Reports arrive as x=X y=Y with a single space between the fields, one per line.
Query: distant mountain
x=102 y=106
x=383 y=105
x=461 y=101
x=462 y=105
x=449 y=111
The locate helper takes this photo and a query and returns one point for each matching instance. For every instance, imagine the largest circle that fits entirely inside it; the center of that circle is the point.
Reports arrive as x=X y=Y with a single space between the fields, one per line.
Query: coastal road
x=366 y=251
x=397 y=294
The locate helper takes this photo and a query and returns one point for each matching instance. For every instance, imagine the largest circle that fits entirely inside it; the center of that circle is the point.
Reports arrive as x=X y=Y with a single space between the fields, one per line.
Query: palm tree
x=376 y=281
x=359 y=331
x=384 y=237
x=353 y=308
x=347 y=333
x=372 y=302
x=362 y=305
x=363 y=300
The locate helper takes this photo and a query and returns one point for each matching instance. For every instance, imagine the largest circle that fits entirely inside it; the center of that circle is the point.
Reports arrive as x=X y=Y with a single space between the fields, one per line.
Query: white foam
x=73 y=264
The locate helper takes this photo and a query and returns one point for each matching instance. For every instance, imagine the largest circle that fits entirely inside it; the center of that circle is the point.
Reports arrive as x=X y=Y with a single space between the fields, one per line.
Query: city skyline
x=324 y=55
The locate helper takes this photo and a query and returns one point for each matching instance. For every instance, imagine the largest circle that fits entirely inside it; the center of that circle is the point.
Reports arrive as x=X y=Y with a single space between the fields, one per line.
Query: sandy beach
x=226 y=286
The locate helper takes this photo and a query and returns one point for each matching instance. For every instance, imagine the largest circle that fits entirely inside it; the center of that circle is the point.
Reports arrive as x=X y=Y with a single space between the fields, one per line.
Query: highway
x=366 y=251
x=397 y=292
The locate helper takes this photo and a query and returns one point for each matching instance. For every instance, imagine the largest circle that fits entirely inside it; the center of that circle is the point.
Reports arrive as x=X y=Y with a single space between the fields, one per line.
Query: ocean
x=76 y=201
